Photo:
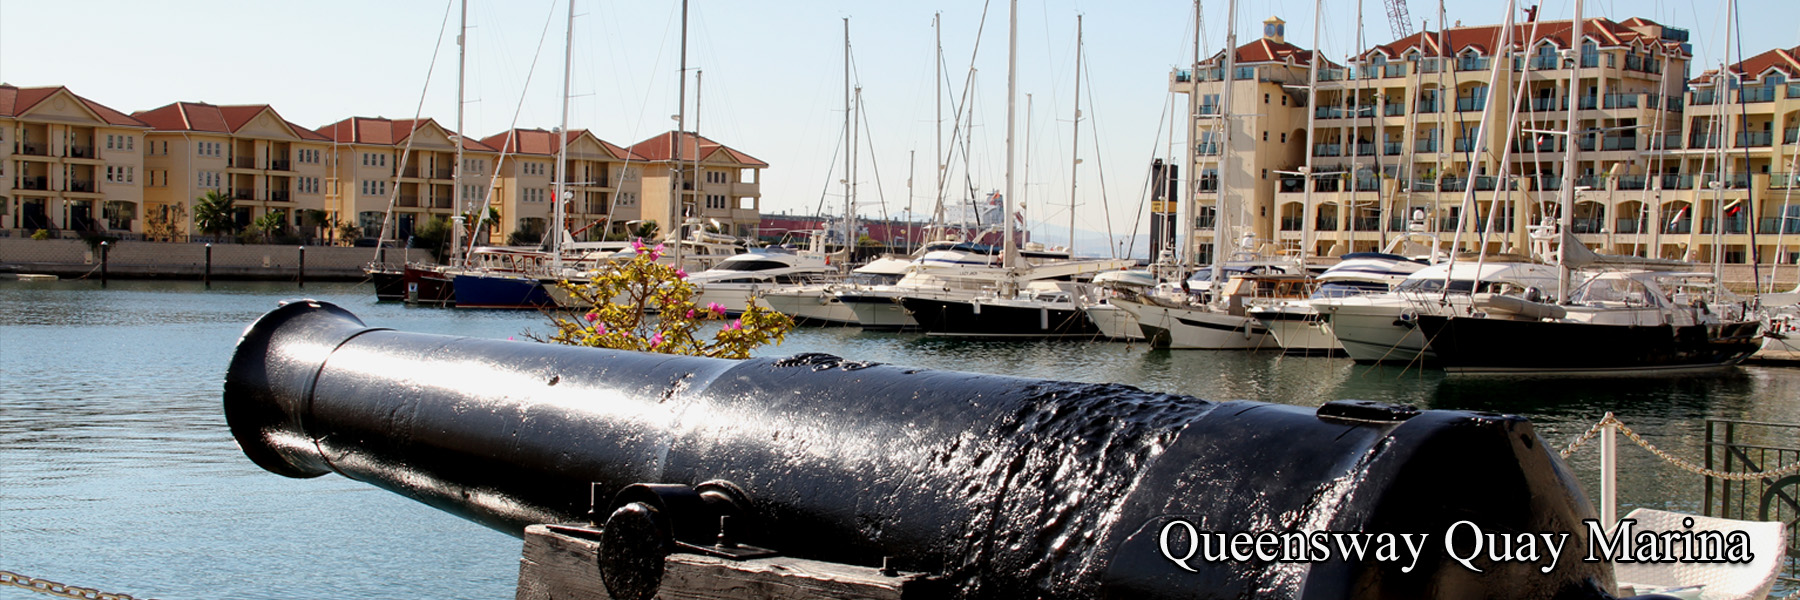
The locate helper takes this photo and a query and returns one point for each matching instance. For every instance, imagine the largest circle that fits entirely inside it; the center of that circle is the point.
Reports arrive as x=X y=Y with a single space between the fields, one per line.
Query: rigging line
x=874 y=165
x=1749 y=190
x=825 y=192
x=407 y=152
x=1099 y=162
x=512 y=129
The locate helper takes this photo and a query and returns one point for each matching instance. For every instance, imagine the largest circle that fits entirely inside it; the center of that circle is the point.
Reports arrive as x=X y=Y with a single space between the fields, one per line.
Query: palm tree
x=316 y=221
x=215 y=213
x=271 y=224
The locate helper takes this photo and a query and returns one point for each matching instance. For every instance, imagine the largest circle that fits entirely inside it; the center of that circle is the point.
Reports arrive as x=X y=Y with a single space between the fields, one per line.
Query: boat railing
x=1734 y=445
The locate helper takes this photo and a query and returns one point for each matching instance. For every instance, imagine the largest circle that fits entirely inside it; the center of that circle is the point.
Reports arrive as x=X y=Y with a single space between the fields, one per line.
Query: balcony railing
x=1734 y=181
x=1209 y=109
x=1756 y=93
x=1775 y=225
x=1670 y=141
x=1791 y=135
x=1470 y=63
x=1454 y=184
x=1703 y=97
x=1328 y=112
x=1394 y=70
x=1547 y=104
x=1596 y=182
x=1424 y=185
x=85 y=186
x=242 y=162
x=1677 y=182
x=1783 y=181
x=1732 y=225
x=1207 y=148
x=1682 y=226
x=1325 y=223
x=1545 y=63
x=1365 y=149
x=1391 y=148
x=34 y=183
x=1463 y=145
x=1549 y=183
x=1755 y=139
x=1328 y=185
x=1470 y=104
x=441 y=203
x=280 y=165
x=1430 y=65
x=409 y=172
x=1543 y=143
x=1793 y=90
x=1589 y=103
x=1590 y=60
x=1628 y=225
x=1426 y=106
x=30 y=149
x=1368 y=184
x=1586 y=143
x=1632 y=182
x=1328 y=150
x=1365 y=224
x=1396 y=109
x=1290 y=185
x=1703 y=140
x=1425 y=145
x=81 y=151
x=1291 y=223
x=280 y=196
x=242 y=194
x=1619 y=143
x=1620 y=101
x=1484 y=183
x=1207 y=184
x=441 y=174
x=1587 y=225
x=407 y=201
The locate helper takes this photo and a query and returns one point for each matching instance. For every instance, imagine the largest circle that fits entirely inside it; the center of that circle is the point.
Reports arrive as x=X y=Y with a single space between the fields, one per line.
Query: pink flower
x=600 y=328
x=590 y=317
x=735 y=325
x=681 y=273
x=656 y=340
x=716 y=308
x=637 y=244
x=690 y=313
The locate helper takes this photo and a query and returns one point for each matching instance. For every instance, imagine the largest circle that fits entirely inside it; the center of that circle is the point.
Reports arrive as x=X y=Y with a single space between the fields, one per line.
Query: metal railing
x=1756 y=93
x=1755 y=139
x=1736 y=445
x=1620 y=101
x=1328 y=150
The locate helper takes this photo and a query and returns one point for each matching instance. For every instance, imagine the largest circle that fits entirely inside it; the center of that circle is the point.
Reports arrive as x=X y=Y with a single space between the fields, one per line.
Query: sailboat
x=1651 y=318
x=1026 y=299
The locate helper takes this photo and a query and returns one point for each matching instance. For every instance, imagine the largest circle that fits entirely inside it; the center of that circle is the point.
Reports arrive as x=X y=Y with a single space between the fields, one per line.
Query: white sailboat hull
x=1374 y=332
x=1299 y=329
x=1198 y=328
x=813 y=305
x=1114 y=322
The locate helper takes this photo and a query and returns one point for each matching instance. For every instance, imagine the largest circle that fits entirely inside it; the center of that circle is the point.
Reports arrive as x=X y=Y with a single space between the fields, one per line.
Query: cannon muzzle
x=1003 y=487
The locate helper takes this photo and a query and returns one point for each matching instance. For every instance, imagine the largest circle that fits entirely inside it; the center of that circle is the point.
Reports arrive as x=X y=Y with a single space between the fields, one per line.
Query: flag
x=1678 y=216
x=1732 y=208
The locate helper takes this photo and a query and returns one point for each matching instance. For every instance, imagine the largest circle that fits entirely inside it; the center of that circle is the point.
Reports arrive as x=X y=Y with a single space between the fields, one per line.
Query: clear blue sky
x=772 y=74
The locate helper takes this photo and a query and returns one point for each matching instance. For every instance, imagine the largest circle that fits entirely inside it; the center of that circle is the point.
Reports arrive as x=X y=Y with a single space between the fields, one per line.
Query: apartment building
x=249 y=153
x=1397 y=142
x=1731 y=166
x=406 y=167
x=604 y=184
x=69 y=164
x=718 y=183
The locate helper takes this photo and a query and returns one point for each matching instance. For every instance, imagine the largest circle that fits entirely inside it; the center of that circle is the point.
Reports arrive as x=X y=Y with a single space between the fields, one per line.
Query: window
x=1265 y=136
x=1284 y=138
x=109 y=144
x=130 y=143
x=630 y=199
x=715 y=202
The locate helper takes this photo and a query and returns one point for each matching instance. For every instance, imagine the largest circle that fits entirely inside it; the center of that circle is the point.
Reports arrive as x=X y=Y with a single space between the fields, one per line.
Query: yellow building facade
x=68 y=165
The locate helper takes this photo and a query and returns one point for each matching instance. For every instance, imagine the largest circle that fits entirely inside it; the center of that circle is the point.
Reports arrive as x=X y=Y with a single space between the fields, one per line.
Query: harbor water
x=117 y=471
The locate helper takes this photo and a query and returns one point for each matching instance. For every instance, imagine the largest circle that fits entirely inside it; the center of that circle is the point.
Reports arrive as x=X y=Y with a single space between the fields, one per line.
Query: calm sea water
x=117 y=471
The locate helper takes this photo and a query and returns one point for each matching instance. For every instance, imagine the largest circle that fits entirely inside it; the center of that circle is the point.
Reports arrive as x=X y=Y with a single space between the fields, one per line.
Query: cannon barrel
x=1003 y=487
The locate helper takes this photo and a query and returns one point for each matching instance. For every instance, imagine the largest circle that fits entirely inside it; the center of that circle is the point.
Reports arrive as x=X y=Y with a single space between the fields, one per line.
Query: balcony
x=1755 y=139
x=34 y=183
x=1289 y=184
x=1463 y=145
x=1545 y=63
x=1472 y=63
x=81 y=151
x=1328 y=150
x=1595 y=182
x=1328 y=185
x=280 y=165
x=1365 y=224
x=1734 y=181
x=1396 y=109
x=1793 y=90
x=411 y=171
x=1425 y=146
x=1426 y=106
x=1791 y=135
x=1368 y=184
x=1784 y=181
x=408 y=201
x=1423 y=185
x=1703 y=98
x=1365 y=149
x=1611 y=101
x=440 y=174
x=1454 y=184
x=1484 y=183
x=1682 y=227
x=1756 y=93
x=1542 y=143
x=1549 y=183
x=1291 y=223
x=444 y=202
x=30 y=149
x=1430 y=65
x=1619 y=143
x=1448 y=223
x=1677 y=182
x=1670 y=141
x=1628 y=225
x=1732 y=225
x=85 y=186
x=241 y=162
x=1703 y=140
x=1589 y=103
x=1587 y=225
x=243 y=194
x=1775 y=225
x=280 y=196
x=1207 y=184
x=1391 y=148
x=1328 y=112
x=1394 y=70
x=1547 y=104
x=1590 y=60
x=1325 y=223
x=1586 y=143
x=1203 y=149
x=1470 y=104
x=1632 y=182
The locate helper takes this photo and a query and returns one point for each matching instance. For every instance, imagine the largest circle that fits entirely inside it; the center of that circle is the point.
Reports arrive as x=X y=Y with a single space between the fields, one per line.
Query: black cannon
x=1001 y=487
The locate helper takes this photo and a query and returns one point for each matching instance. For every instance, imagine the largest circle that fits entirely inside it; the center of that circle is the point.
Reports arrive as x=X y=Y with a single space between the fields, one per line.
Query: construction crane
x=1398 y=18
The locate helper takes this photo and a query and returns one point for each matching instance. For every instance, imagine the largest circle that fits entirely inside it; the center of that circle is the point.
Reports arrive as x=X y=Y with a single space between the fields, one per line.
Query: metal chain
x=45 y=586
x=1609 y=419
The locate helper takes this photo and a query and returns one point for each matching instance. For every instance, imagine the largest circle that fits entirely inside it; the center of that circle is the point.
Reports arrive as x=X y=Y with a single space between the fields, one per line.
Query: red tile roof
x=200 y=116
x=1265 y=50
x=1783 y=60
x=16 y=101
x=388 y=132
x=546 y=143
x=1485 y=38
x=694 y=147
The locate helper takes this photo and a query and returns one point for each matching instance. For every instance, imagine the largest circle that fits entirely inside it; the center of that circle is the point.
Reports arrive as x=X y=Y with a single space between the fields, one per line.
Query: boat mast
x=1184 y=211
x=1075 y=146
x=675 y=143
x=849 y=147
x=1225 y=166
x=1565 y=219
x=456 y=192
x=1312 y=118
x=562 y=152
x=937 y=158
x=1010 y=257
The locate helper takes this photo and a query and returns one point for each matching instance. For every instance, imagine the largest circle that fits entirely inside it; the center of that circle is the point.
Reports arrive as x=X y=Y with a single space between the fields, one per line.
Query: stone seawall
x=162 y=260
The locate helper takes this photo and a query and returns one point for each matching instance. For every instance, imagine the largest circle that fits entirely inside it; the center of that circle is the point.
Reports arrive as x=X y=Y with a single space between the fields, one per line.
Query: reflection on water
x=117 y=471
